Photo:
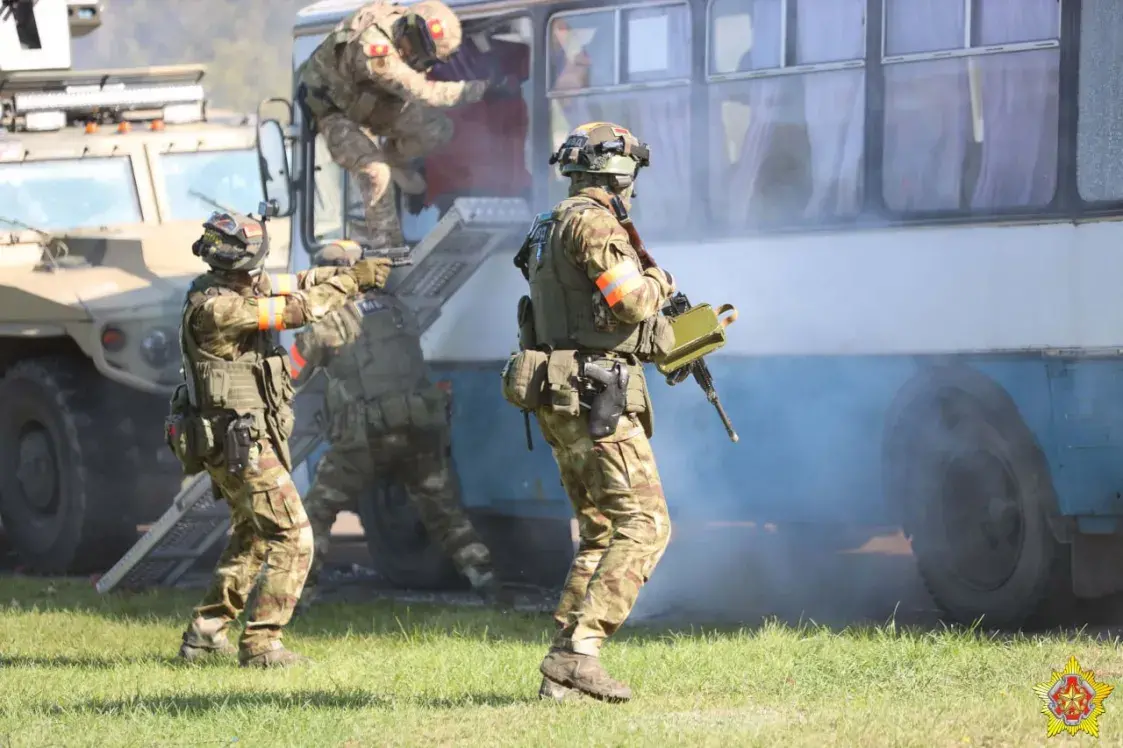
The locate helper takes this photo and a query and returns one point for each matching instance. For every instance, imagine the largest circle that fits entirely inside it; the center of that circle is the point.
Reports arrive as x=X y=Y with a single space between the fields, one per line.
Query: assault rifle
x=398 y=256
x=698 y=330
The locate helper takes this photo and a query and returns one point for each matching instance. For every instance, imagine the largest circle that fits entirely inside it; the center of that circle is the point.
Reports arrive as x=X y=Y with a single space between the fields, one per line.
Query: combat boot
x=488 y=587
x=271 y=658
x=204 y=638
x=583 y=673
x=549 y=690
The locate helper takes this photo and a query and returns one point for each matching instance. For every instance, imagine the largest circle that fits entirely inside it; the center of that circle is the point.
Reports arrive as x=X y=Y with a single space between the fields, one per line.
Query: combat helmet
x=232 y=241
x=433 y=31
x=602 y=148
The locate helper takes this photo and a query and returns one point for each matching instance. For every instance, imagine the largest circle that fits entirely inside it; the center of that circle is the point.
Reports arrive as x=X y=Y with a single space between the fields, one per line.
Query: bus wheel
x=977 y=505
x=58 y=489
x=398 y=543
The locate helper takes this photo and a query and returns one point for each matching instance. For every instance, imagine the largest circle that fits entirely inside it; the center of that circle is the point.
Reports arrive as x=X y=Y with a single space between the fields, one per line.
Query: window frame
x=787 y=50
x=617 y=86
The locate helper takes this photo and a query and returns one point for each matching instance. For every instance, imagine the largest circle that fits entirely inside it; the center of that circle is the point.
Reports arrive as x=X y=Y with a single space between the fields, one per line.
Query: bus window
x=636 y=76
x=786 y=110
x=976 y=129
x=1099 y=138
x=327 y=200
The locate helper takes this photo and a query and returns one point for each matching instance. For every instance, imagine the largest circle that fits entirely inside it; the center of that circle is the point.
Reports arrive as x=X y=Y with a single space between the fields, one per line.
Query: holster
x=237 y=444
x=606 y=393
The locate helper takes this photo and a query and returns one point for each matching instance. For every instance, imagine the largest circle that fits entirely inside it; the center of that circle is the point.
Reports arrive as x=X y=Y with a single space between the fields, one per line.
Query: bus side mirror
x=273 y=163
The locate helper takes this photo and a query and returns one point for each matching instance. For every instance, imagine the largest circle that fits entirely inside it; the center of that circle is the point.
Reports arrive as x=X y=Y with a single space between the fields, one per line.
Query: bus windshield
x=69 y=193
x=230 y=178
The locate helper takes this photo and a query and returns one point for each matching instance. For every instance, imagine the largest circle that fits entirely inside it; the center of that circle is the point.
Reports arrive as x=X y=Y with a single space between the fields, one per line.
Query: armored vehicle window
x=228 y=177
x=70 y=193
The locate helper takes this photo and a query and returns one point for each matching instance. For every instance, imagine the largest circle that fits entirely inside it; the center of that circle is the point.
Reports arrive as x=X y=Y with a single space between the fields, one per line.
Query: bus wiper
x=210 y=201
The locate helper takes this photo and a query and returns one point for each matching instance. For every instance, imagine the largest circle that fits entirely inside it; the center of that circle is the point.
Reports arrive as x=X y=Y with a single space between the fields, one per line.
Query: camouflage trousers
x=622 y=520
x=420 y=463
x=416 y=132
x=269 y=529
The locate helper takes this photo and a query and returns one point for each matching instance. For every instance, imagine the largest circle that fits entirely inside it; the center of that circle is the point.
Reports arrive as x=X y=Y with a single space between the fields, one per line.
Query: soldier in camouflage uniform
x=594 y=302
x=233 y=416
x=386 y=418
x=367 y=79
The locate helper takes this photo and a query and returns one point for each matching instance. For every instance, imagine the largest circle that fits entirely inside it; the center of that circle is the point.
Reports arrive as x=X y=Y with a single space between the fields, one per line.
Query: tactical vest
x=563 y=297
x=380 y=381
x=327 y=86
x=257 y=383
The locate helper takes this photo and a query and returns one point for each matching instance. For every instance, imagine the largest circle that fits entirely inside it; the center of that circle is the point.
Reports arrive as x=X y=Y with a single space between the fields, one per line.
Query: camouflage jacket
x=587 y=286
x=358 y=71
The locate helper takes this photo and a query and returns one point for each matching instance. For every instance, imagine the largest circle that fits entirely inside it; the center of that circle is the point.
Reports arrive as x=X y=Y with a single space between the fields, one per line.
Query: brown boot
x=279 y=657
x=584 y=673
x=204 y=638
x=549 y=690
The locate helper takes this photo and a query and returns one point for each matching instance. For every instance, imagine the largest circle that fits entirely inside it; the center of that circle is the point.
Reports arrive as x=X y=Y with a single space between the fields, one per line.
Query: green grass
x=78 y=669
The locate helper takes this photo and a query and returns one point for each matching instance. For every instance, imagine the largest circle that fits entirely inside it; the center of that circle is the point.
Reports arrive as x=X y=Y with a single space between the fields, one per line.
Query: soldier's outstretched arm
x=605 y=253
x=377 y=61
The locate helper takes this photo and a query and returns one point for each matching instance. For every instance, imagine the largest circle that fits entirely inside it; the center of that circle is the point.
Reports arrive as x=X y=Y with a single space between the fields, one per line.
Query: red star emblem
x=1071 y=699
x=436 y=30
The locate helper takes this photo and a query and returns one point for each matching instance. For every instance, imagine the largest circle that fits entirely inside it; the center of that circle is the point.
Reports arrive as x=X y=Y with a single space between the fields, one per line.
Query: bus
x=909 y=202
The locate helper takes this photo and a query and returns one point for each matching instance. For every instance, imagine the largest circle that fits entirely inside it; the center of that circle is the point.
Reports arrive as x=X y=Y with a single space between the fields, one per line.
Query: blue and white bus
x=913 y=204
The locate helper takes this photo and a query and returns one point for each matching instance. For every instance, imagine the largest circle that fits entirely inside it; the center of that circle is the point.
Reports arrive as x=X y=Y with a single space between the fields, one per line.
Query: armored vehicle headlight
x=157 y=347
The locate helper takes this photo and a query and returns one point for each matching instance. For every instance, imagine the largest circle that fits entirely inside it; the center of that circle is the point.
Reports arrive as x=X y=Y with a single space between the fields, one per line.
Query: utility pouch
x=182 y=427
x=527 y=337
x=237 y=444
x=524 y=379
x=606 y=391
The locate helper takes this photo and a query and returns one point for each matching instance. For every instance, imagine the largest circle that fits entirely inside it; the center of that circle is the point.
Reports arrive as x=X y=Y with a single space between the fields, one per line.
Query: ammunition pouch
x=527 y=337
x=605 y=394
x=237 y=443
x=188 y=434
x=352 y=422
x=524 y=378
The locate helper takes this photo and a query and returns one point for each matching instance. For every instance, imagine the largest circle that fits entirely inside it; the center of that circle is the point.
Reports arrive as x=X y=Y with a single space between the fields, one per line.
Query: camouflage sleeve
x=377 y=61
x=309 y=295
x=600 y=246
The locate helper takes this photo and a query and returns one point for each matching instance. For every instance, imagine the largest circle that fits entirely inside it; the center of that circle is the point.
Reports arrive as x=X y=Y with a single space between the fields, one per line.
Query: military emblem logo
x=1073 y=700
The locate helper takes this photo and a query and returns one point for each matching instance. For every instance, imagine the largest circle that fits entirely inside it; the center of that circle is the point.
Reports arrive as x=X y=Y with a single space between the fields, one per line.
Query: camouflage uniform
x=238 y=386
x=366 y=80
x=590 y=299
x=387 y=421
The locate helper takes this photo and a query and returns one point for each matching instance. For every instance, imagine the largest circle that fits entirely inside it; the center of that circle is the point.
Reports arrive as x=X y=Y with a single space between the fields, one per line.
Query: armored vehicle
x=105 y=179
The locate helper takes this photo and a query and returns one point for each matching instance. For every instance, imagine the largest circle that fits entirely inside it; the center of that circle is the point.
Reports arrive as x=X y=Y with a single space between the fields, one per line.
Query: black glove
x=502 y=86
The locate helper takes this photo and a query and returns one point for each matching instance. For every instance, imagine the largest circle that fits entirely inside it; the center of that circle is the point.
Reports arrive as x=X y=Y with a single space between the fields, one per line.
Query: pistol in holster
x=237 y=443
x=604 y=393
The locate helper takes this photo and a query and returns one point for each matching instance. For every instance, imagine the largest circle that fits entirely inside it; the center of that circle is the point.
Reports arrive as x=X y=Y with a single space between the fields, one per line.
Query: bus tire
x=400 y=547
x=977 y=502
x=59 y=492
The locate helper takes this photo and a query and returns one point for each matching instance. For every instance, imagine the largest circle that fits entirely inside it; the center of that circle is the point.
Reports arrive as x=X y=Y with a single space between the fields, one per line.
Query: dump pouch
x=527 y=337
x=237 y=444
x=524 y=378
x=187 y=433
x=609 y=395
x=698 y=332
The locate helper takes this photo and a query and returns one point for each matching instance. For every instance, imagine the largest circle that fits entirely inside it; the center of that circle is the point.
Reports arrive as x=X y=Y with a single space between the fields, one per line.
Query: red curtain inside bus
x=487 y=153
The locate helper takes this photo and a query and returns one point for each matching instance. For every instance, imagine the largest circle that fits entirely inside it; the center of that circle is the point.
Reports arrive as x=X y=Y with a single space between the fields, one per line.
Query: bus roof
x=330 y=12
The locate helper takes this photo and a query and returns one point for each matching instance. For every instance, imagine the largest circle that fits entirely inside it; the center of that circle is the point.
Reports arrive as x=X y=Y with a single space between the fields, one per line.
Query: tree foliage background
x=245 y=44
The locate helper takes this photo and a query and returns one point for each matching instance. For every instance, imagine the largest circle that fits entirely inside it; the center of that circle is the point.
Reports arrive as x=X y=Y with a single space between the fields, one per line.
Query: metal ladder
x=471 y=231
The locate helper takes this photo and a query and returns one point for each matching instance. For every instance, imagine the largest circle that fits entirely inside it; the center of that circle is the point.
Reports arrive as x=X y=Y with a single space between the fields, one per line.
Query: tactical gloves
x=665 y=280
x=372 y=272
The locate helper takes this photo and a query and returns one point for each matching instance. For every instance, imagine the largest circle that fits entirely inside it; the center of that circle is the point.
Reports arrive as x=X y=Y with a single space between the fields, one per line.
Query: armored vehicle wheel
x=58 y=492
x=399 y=545
x=978 y=499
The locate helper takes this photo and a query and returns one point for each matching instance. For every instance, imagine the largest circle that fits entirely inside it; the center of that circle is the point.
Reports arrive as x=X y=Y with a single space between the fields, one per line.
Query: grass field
x=77 y=669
